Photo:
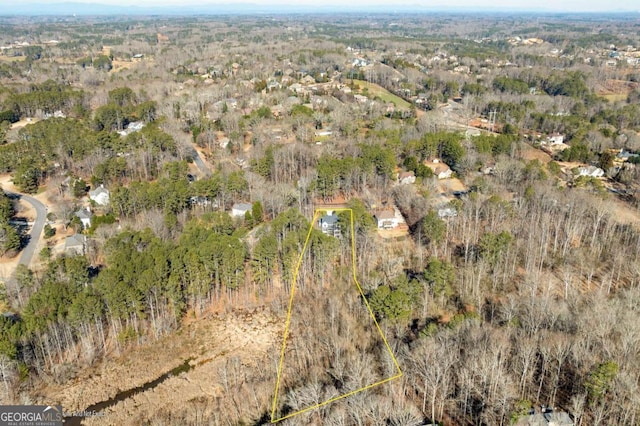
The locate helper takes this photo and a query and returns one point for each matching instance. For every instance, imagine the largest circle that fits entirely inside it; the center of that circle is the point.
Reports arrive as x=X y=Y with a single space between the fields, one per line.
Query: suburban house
x=231 y=103
x=295 y=87
x=555 y=139
x=273 y=85
x=488 y=168
x=100 y=195
x=406 y=178
x=591 y=171
x=240 y=209
x=223 y=142
x=441 y=170
x=323 y=133
x=361 y=99
x=307 y=79
x=386 y=219
x=446 y=211
x=75 y=245
x=472 y=132
x=84 y=214
x=202 y=201
x=359 y=62
x=625 y=155
x=329 y=225
x=132 y=127
x=546 y=417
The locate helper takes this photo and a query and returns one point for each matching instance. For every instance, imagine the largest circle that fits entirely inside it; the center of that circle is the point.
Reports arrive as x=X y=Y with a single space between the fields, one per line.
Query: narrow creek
x=129 y=393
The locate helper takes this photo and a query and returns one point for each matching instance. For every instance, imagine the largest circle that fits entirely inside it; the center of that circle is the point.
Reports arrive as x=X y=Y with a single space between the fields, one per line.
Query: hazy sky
x=565 y=5
x=529 y=4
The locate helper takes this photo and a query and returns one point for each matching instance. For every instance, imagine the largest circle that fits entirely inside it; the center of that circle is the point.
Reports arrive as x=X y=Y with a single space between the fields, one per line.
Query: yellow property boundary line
x=288 y=322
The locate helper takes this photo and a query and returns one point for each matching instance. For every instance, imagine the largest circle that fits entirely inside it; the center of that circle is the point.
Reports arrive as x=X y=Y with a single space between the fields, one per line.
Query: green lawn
x=615 y=97
x=377 y=91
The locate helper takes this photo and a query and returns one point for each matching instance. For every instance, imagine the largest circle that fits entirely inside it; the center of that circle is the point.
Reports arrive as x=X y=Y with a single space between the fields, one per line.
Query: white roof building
x=100 y=195
x=591 y=171
x=240 y=209
x=84 y=215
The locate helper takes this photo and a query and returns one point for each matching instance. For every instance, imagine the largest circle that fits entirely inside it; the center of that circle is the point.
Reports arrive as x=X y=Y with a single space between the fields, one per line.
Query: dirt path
x=247 y=338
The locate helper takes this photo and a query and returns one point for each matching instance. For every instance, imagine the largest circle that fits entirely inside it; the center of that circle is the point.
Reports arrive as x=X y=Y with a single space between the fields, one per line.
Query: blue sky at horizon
x=561 y=5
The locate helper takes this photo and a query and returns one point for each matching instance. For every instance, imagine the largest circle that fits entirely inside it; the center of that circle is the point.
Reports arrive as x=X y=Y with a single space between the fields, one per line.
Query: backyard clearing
x=376 y=91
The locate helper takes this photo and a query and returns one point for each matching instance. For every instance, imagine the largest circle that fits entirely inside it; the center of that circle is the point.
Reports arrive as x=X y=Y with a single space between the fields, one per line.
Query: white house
x=359 y=62
x=323 y=133
x=240 y=209
x=224 y=142
x=447 y=211
x=591 y=171
x=406 y=178
x=201 y=201
x=84 y=214
x=555 y=139
x=134 y=126
x=100 y=195
x=361 y=99
x=386 y=219
x=441 y=170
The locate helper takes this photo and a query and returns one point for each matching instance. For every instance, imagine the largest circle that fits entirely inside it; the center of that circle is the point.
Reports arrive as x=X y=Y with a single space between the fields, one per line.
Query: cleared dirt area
x=624 y=213
x=399 y=232
x=616 y=90
x=20 y=124
x=529 y=153
x=245 y=339
x=451 y=185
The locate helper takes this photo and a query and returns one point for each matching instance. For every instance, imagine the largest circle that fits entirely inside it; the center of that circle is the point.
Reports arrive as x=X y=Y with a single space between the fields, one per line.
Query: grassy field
x=11 y=58
x=615 y=97
x=377 y=91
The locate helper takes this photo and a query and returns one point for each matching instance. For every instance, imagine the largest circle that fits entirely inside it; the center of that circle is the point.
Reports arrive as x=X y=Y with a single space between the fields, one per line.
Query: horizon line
x=39 y=8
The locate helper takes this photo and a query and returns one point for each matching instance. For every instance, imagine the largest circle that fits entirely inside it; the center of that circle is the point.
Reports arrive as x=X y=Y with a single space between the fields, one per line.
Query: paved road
x=36 y=229
x=196 y=159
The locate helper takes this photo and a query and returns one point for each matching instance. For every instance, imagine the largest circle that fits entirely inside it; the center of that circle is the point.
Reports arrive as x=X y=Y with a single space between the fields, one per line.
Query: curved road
x=36 y=229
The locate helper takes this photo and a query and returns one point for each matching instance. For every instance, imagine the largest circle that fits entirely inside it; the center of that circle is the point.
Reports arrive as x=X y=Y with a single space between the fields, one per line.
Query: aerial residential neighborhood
x=340 y=214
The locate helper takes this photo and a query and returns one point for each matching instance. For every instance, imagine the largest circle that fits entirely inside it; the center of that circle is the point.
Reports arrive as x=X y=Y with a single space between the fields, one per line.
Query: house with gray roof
x=85 y=215
x=100 y=195
x=75 y=245
x=240 y=209
x=329 y=225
